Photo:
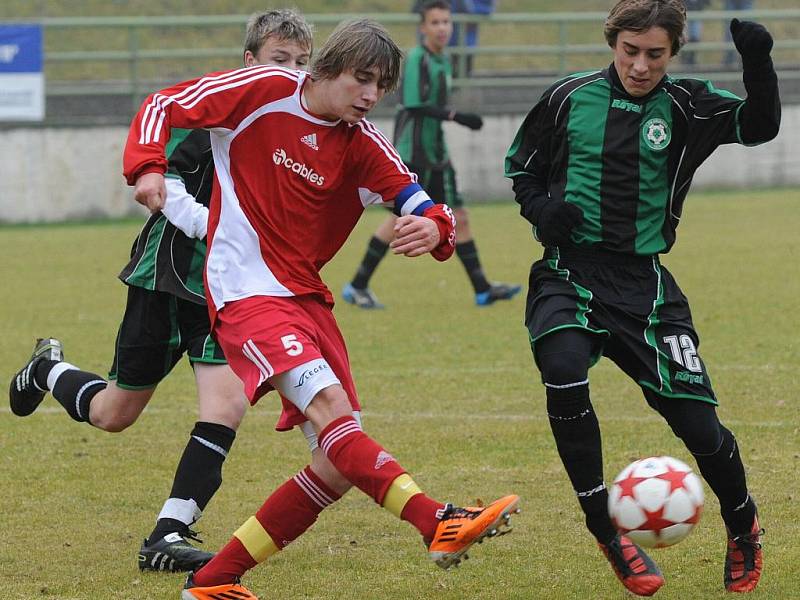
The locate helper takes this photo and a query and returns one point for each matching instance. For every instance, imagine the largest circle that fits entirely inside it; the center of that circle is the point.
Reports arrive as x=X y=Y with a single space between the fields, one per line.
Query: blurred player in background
x=419 y=139
x=166 y=317
x=296 y=164
x=601 y=168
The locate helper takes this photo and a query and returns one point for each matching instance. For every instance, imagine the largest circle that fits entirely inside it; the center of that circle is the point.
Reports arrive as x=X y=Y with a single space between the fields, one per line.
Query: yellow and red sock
x=284 y=516
x=376 y=473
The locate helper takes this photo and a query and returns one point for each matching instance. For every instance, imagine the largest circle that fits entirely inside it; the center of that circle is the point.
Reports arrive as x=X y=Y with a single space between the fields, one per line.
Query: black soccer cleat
x=497 y=291
x=173 y=553
x=24 y=394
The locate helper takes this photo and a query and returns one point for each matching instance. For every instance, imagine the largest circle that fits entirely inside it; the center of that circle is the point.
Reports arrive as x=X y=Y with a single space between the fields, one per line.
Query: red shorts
x=263 y=336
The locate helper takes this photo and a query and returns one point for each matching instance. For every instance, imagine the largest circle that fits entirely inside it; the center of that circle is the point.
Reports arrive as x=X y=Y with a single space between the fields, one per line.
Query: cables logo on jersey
x=279 y=157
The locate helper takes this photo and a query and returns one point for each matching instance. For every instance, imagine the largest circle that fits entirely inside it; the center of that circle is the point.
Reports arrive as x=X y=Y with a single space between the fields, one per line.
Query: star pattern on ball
x=674 y=477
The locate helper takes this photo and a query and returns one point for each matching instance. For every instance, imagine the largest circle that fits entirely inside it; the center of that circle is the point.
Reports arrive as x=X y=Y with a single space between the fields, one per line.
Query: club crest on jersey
x=310 y=140
x=656 y=134
x=279 y=157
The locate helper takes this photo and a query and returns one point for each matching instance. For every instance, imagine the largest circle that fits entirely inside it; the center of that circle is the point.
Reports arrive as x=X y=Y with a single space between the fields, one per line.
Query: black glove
x=753 y=42
x=556 y=221
x=470 y=120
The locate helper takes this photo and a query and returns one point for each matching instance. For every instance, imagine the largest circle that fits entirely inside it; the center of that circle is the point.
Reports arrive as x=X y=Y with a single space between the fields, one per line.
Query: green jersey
x=163 y=258
x=627 y=162
x=425 y=83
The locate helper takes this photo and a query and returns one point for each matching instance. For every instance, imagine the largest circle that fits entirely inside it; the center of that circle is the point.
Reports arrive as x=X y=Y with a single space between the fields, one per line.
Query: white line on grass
x=427 y=416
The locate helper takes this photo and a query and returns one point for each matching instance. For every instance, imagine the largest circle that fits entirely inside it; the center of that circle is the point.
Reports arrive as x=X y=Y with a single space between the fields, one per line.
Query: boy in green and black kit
x=419 y=138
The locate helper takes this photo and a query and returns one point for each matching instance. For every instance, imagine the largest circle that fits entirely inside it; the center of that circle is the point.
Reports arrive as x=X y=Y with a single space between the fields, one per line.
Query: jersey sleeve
x=716 y=113
x=415 y=86
x=216 y=101
x=528 y=160
x=382 y=176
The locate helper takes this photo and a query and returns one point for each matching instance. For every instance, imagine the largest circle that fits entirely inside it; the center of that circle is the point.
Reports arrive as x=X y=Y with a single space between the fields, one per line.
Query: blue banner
x=20 y=49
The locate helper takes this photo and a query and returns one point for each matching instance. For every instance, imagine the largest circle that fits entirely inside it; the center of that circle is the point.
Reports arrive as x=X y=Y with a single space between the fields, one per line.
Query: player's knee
x=328 y=473
x=696 y=424
x=462 y=218
x=112 y=422
x=563 y=368
x=328 y=404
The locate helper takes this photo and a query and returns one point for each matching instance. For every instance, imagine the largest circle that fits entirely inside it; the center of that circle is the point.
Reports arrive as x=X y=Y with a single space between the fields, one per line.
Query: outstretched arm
x=760 y=116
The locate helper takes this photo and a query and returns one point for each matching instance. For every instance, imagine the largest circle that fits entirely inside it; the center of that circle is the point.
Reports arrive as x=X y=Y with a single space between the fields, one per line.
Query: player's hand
x=414 y=236
x=470 y=120
x=752 y=40
x=556 y=222
x=151 y=191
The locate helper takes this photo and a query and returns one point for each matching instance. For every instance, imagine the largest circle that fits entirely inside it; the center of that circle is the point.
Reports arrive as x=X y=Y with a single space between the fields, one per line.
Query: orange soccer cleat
x=459 y=528
x=227 y=591
x=637 y=571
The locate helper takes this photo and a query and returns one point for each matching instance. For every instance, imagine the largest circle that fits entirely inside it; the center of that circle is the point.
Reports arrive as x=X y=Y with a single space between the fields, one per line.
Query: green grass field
x=449 y=388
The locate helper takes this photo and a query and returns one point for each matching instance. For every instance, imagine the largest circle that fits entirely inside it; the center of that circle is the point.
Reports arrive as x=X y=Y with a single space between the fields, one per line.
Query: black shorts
x=635 y=308
x=440 y=183
x=157 y=329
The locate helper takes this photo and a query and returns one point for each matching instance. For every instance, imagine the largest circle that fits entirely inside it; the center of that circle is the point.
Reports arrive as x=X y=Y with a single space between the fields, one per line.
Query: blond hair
x=285 y=24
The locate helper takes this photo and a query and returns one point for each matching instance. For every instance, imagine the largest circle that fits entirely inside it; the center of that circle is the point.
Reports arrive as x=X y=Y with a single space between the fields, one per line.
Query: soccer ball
x=656 y=501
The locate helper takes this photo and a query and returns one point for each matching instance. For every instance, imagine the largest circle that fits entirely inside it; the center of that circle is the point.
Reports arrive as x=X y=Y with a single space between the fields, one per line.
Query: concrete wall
x=58 y=174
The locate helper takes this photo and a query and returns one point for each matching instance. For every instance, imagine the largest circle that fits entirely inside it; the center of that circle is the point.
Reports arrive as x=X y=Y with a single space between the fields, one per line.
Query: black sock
x=577 y=434
x=468 y=254
x=74 y=389
x=198 y=476
x=376 y=250
x=724 y=472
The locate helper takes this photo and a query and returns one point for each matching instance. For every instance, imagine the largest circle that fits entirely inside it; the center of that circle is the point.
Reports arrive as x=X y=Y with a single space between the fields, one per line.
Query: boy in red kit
x=296 y=164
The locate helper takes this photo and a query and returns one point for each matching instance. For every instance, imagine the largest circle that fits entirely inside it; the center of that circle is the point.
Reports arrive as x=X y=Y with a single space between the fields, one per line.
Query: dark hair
x=360 y=44
x=430 y=5
x=641 y=15
x=284 y=24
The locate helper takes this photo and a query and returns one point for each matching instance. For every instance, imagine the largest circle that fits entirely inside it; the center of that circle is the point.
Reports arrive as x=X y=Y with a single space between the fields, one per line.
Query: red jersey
x=290 y=185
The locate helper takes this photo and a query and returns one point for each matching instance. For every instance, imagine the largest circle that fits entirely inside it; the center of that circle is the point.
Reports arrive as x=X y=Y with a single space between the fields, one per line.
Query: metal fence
x=99 y=69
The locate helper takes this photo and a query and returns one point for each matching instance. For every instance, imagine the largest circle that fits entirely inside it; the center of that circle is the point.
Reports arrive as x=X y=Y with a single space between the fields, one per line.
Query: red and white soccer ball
x=656 y=501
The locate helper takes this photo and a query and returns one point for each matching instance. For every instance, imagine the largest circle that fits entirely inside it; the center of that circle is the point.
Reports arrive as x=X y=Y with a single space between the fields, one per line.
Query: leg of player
x=357 y=291
x=486 y=293
x=564 y=357
x=85 y=396
x=448 y=531
x=283 y=517
x=222 y=405
x=717 y=454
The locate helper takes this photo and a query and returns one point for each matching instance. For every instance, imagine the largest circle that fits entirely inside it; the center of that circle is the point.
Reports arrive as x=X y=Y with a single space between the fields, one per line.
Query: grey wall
x=57 y=174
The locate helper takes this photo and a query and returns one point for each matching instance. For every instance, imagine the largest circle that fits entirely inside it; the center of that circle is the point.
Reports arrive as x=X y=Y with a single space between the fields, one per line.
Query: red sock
x=359 y=458
x=423 y=513
x=228 y=564
x=285 y=515
x=293 y=507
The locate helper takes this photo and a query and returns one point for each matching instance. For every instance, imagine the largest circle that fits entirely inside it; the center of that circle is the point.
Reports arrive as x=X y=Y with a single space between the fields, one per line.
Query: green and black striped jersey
x=163 y=258
x=628 y=162
x=418 y=135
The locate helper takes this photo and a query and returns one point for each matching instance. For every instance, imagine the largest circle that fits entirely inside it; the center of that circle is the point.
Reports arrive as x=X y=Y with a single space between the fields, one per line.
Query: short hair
x=285 y=24
x=430 y=5
x=640 y=15
x=359 y=44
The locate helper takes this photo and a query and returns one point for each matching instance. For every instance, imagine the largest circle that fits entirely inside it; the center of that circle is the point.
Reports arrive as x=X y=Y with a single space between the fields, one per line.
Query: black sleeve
x=436 y=112
x=528 y=160
x=760 y=116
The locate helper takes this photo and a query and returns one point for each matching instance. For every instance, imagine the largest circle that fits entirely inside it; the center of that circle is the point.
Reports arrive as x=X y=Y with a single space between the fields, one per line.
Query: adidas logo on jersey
x=279 y=157
x=310 y=140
